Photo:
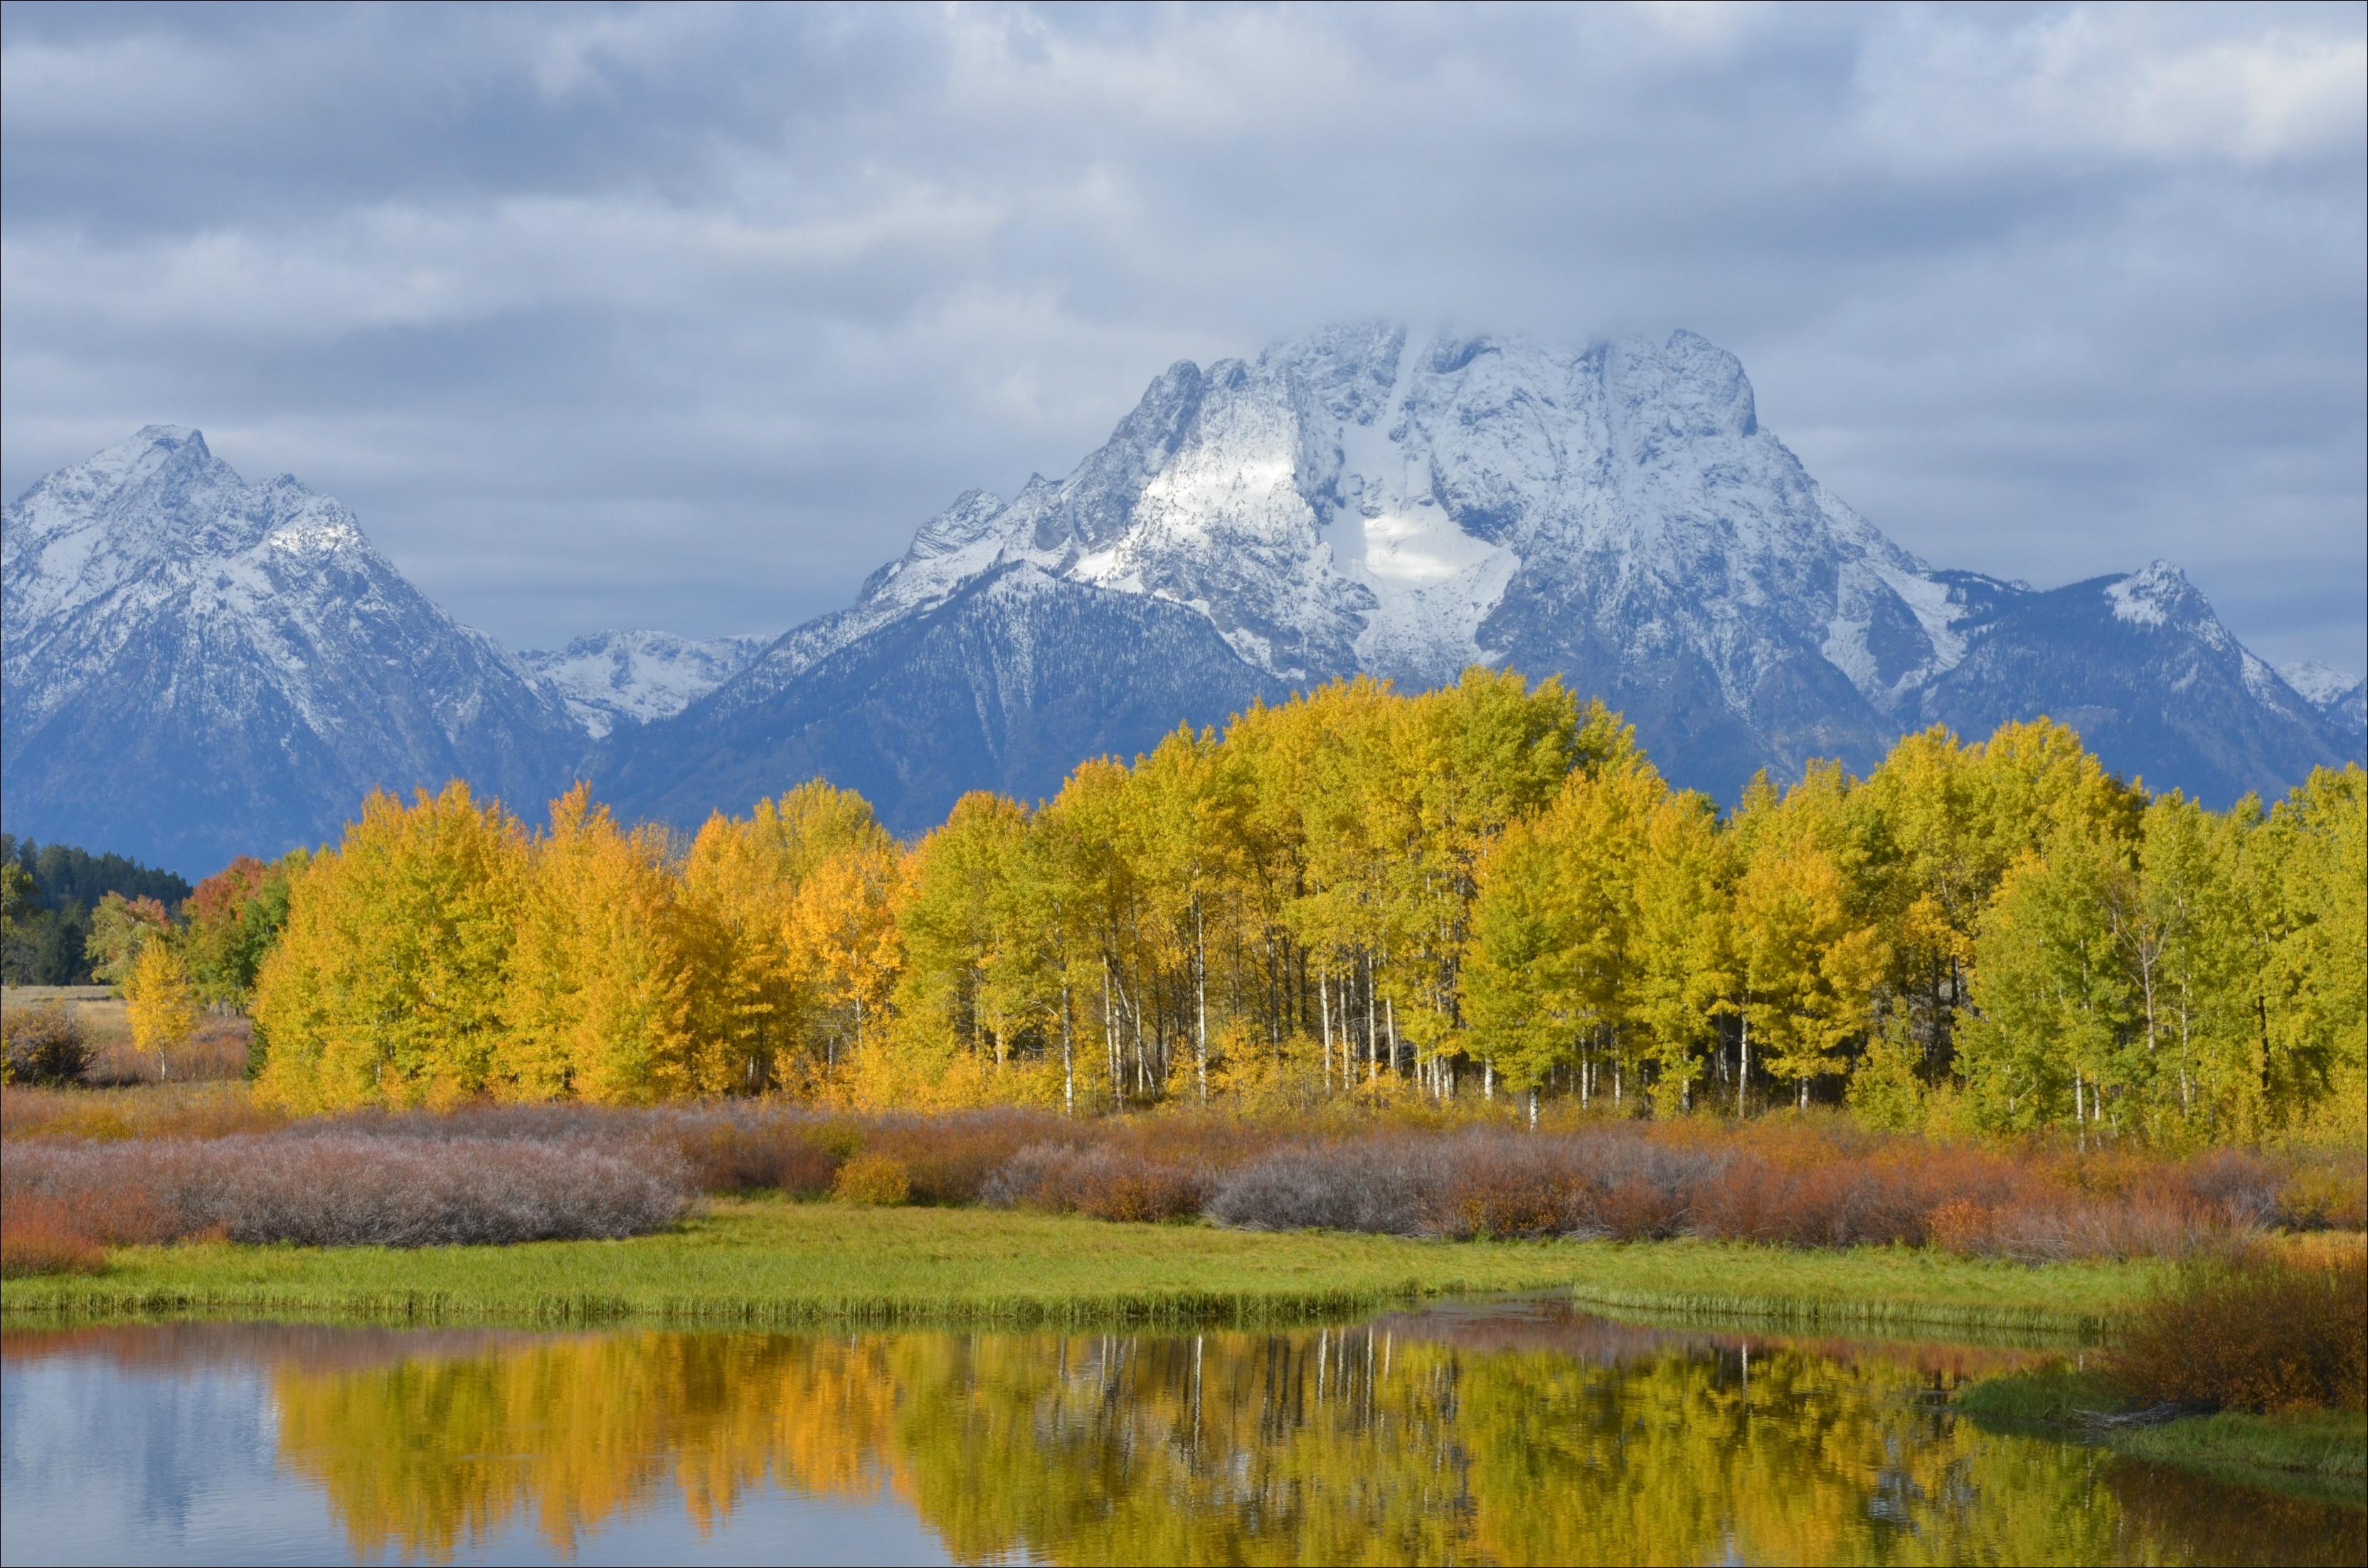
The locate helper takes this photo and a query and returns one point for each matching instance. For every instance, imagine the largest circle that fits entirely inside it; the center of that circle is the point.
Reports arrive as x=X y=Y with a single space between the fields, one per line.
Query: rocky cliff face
x=1359 y=501
x=196 y=667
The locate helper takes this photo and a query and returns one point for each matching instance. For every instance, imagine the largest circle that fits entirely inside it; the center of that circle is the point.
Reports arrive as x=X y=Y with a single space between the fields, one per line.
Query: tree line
x=48 y=894
x=1486 y=889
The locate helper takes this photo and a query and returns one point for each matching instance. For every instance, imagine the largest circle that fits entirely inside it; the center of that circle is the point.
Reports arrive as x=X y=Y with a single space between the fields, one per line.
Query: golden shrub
x=877 y=1181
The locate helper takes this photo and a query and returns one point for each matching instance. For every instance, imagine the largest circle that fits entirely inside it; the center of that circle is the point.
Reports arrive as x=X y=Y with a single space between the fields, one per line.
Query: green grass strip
x=773 y=1264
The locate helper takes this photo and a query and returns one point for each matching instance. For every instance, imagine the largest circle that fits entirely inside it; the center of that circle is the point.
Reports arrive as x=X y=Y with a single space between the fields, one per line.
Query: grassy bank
x=773 y=1262
x=2327 y=1449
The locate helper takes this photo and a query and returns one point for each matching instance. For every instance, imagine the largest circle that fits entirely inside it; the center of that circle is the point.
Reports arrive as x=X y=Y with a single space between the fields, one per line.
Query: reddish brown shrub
x=952 y=1157
x=25 y=1252
x=37 y=1236
x=345 y=1189
x=734 y=1157
x=216 y=1051
x=2252 y=1330
x=1107 y=1182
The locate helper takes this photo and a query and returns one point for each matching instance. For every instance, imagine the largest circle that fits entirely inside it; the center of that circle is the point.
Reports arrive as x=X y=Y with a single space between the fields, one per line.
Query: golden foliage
x=1358 y=895
x=876 y=1181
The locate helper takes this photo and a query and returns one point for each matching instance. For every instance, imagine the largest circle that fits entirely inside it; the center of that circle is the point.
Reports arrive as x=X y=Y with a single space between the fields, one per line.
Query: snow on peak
x=2321 y=685
x=2147 y=597
x=1363 y=499
x=635 y=677
x=157 y=531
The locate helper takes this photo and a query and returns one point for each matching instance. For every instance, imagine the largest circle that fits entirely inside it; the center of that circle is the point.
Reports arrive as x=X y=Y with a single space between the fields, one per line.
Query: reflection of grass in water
x=773 y=1263
x=2243 y=1513
x=2318 y=1456
x=2333 y=1444
x=2054 y=1395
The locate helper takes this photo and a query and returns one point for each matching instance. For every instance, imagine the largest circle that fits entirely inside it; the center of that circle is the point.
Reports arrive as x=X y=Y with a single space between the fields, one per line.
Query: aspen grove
x=1484 y=892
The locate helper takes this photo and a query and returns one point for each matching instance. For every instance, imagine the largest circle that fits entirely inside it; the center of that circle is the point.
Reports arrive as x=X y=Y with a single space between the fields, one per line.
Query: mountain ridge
x=1353 y=502
x=195 y=667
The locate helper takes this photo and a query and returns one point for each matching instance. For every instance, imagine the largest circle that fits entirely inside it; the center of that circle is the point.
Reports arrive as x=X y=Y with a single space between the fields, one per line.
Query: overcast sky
x=684 y=316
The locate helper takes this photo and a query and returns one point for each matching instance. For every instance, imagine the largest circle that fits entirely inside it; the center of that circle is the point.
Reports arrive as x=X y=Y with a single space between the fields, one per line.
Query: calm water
x=1513 y=1432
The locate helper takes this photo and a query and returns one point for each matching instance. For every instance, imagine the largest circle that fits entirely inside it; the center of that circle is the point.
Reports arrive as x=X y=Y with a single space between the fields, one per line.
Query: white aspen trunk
x=1488 y=1079
x=1111 y=1047
x=1069 y=1058
x=1390 y=1011
x=1372 y=1028
x=1534 y=1110
x=1324 y=997
x=1200 y=1001
x=1742 y=1065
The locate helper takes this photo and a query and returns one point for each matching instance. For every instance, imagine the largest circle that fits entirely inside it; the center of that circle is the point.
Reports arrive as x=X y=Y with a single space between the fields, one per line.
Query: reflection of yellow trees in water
x=422 y=1455
x=1386 y=1444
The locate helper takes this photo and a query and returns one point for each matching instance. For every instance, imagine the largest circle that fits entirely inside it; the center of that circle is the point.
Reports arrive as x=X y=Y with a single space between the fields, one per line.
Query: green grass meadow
x=772 y=1262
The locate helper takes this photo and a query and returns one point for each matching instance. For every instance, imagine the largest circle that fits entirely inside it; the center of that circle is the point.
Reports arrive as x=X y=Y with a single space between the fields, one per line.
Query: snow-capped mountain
x=632 y=677
x=2342 y=701
x=196 y=667
x=1357 y=500
x=2141 y=666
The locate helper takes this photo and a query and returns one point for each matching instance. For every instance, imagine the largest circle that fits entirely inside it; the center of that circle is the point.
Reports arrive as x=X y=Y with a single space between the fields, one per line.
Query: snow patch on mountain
x=2147 y=597
x=1357 y=500
x=612 y=678
x=2321 y=685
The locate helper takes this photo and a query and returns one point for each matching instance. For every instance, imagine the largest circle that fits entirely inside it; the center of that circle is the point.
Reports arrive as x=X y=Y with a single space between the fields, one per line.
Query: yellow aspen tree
x=1192 y=802
x=1353 y=788
x=1520 y=985
x=755 y=1013
x=2053 y=1009
x=1684 y=964
x=1469 y=759
x=1085 y=833
x=1938 y=870
x=161 y=1000
x=1598 y=826
x=1811 y=956
x=2313 y=1056
x=388 y=985
x=843 y=939
x=601 y=977
x=954 y=982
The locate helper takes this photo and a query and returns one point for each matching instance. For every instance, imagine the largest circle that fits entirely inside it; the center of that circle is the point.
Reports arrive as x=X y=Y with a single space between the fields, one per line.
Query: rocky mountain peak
x=195 y=667
x=1363 y=498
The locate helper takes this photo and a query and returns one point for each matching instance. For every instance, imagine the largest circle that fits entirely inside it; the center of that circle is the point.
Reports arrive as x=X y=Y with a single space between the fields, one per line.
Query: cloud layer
x=684 y=316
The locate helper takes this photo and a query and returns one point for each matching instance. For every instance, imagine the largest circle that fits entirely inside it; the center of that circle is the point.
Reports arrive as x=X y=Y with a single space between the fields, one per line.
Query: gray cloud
x=684 y=316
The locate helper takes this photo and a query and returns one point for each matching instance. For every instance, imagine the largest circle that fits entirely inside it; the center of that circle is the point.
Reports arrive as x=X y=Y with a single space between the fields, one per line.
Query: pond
x=1504 y=1432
